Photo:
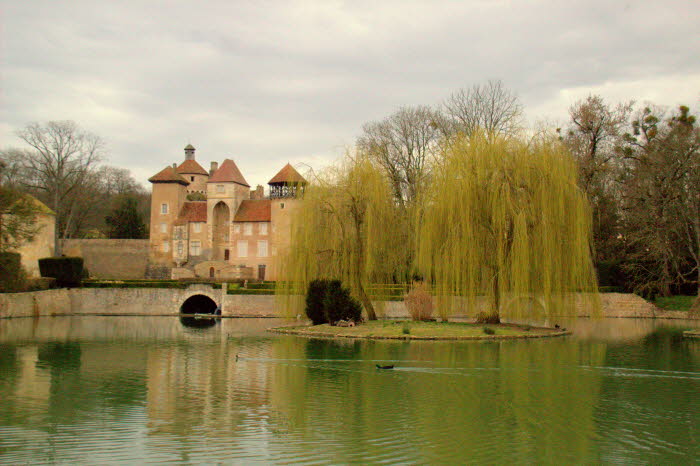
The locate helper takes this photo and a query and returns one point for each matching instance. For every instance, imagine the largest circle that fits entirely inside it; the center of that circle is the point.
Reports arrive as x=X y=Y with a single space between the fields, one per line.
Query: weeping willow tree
x=346 y=228
x=505 y=230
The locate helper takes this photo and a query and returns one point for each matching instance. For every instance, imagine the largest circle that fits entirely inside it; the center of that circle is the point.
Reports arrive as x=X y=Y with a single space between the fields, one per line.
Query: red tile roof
x=228 y=172
x=168 y=175
x=253 y=211
x=192 y=211
x=287 y=175
x=191 y=167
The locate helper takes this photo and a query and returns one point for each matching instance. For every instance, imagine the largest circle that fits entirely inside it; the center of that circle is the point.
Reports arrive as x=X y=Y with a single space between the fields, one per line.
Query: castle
x=212 y=225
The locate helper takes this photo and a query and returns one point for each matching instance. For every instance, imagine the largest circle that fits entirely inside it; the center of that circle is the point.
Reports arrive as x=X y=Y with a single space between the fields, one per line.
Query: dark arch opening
x=198 y=304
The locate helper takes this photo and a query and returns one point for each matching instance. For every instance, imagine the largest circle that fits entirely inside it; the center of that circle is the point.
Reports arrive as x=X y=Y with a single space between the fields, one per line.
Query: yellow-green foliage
x=347 y=228
x=504 y=223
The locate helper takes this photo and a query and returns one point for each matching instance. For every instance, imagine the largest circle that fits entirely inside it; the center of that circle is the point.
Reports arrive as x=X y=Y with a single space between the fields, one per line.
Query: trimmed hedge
x=68 y=271
x=11 y=276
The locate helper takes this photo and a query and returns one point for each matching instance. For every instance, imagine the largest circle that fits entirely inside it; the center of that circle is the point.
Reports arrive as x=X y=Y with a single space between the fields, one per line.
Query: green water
x=132 y=390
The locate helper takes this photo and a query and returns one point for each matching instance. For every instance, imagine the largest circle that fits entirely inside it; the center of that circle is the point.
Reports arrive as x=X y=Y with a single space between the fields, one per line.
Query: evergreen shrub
x=11 y=273
x=68 y=271
x=328 y=302
x=315 y=302
x=339 y=305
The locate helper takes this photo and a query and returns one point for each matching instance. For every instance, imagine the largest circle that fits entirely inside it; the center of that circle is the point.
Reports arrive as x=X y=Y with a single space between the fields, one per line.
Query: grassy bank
x=390 y=329
x=675 y=303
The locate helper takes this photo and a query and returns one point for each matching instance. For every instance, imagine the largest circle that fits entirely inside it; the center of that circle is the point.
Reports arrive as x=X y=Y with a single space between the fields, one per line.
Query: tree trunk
x=360 y=259
x=56 y=235
x=367 y=303
x=495 y=316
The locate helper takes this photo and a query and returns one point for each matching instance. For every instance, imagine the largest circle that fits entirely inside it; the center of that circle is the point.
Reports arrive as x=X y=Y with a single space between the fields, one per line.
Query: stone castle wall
x=110 y=258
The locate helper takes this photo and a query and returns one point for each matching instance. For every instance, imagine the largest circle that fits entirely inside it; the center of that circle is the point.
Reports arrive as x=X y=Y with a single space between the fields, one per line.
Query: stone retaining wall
x=160 y=301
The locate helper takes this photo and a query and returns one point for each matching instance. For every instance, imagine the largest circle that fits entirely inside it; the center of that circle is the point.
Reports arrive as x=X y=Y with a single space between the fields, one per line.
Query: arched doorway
x=221 y=225
x=198 y=304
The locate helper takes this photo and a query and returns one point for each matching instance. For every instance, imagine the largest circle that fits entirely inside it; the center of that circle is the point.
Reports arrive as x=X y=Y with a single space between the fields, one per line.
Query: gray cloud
x=271 y=82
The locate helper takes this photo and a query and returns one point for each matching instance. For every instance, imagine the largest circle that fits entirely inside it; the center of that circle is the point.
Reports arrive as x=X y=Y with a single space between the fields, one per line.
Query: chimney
x=214 y=167
x=175 y=166
x=189 y=152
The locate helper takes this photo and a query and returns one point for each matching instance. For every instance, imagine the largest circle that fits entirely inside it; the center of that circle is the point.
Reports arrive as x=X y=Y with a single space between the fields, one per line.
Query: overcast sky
x=265 y=83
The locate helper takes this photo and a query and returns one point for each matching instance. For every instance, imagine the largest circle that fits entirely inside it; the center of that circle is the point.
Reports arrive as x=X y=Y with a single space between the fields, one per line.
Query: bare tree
x=593 y=137
x=662 y=200
x=403 y=144
x=595 y=131
x=61 y=159
x=490 y=107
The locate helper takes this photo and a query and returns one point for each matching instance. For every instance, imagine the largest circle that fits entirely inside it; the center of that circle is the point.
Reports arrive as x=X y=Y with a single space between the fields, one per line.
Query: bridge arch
x=199 y=304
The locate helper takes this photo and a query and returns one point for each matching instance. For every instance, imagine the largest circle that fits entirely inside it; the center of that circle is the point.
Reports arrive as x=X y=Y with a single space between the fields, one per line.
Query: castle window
x=195 y=248
x=220 y=188
x=226 y=237
x=247 y=228
x=163 y=227
x=237 y=228
x=281 y=205
x=166 y=247
x=191 y=178
x=262 y=248
x=242 y=248
x=164 y=208
x=180 y=248
x=263 y=228
x=197 y=227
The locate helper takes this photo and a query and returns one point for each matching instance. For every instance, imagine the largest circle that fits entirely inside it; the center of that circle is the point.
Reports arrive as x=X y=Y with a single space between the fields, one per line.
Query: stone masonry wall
x=110 y=258
x=159 y=301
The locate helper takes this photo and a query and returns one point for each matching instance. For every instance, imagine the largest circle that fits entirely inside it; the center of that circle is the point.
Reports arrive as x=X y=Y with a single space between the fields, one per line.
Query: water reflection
x=153 y=389
x=198 y=322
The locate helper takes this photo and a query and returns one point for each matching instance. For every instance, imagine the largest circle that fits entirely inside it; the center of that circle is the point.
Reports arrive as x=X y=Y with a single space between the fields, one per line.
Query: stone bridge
x=201 y=299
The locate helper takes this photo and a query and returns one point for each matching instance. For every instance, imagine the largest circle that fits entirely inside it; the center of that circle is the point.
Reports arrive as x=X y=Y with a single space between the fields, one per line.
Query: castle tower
x=286 y=189
x=168 y=196
x=193 y=172
x=226 y=189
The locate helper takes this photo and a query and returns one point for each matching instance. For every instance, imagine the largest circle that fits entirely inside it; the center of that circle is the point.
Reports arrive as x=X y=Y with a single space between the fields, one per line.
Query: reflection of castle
x=210 y=224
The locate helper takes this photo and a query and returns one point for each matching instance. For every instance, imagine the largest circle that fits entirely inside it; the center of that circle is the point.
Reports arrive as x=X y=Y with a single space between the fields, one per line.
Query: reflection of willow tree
x=506 y=220
x=489 y=402
x=347 y=228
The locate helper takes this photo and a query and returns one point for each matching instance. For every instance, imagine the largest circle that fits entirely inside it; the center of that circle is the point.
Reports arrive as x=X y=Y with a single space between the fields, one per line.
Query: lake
x=107 y=390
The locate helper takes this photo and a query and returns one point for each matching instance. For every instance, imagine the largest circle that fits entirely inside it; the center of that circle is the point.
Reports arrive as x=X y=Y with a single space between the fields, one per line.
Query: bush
x=11 y=272
x=487 y=318
x=67 y=271
x=419 y=302
x=339 y=305
x=328 y=302
x=489 y=331
x=314 y=302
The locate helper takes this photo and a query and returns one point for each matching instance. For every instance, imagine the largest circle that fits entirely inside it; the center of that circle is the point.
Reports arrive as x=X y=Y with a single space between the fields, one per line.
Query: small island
x=421 y=330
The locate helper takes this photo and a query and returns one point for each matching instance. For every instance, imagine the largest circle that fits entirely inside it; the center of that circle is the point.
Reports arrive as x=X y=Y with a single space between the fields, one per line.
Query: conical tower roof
x=168 y=175
x=288 y=175
x=191 y=167
x=228 y=172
